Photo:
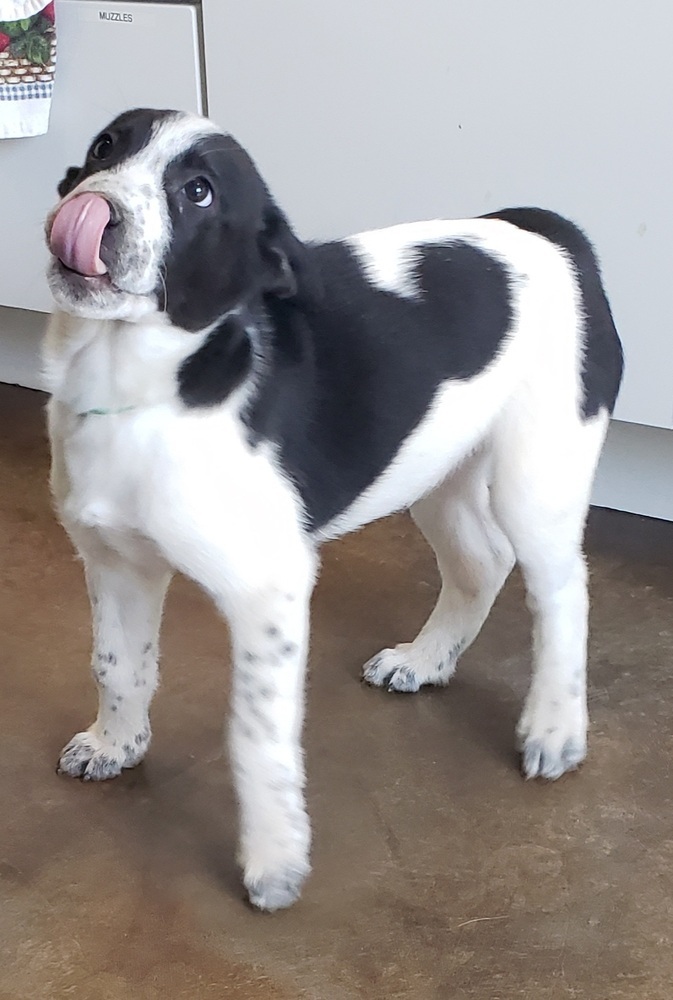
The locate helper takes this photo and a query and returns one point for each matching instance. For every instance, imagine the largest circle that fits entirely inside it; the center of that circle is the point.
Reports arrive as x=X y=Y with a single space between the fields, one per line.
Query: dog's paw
x=94 y=758
x=552 y=737
x=276 y=891
x=400 y=670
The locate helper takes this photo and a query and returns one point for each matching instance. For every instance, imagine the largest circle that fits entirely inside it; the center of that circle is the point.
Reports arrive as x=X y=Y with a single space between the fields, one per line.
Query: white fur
x=499 y=469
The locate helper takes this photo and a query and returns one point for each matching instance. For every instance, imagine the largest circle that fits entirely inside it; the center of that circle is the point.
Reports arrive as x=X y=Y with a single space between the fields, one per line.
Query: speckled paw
x=392 y=669
x=552 y=739
x=88 y=757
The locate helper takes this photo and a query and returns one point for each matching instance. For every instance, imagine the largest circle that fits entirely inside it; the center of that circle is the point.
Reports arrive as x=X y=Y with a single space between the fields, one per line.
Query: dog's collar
x=100 y=411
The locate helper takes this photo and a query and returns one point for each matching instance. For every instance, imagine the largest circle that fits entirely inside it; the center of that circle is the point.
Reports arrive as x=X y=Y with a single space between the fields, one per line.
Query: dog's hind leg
x=474 y=558
x=126 y=603
x=542 y=481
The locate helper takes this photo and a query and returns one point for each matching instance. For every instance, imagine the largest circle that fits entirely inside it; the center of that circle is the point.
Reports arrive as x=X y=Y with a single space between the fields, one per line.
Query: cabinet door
x=366 y=114
x=104 y=67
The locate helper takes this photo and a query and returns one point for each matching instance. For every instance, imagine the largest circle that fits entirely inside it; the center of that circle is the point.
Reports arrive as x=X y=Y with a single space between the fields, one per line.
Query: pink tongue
x=77 y=231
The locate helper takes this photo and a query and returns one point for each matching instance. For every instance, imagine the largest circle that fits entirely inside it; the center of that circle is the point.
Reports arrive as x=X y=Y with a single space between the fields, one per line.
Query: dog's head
x=168 y=215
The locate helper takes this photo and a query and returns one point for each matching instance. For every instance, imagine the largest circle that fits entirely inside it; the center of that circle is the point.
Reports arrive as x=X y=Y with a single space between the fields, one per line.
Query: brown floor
x=439 y=873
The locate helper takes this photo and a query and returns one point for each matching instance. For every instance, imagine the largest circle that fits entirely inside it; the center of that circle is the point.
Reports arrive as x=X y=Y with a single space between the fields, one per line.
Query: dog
x=224 y=398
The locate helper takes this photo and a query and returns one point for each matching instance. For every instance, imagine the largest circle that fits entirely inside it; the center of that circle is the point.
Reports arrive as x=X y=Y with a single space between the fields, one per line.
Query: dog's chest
x=109 y=463
x=178 y=480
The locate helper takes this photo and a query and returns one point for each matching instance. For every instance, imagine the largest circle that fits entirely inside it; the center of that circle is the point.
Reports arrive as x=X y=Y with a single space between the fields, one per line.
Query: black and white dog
x=225 y=398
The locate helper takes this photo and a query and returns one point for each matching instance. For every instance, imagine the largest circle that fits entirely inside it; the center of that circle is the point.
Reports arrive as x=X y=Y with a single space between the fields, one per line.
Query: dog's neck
x=102 y=367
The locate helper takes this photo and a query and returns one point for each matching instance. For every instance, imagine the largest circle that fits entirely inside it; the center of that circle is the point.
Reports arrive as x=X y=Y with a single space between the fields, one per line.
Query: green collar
x=99 y=411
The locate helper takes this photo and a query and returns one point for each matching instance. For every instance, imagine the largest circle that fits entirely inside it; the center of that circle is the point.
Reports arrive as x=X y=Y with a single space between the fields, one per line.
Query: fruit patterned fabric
x=27 y=62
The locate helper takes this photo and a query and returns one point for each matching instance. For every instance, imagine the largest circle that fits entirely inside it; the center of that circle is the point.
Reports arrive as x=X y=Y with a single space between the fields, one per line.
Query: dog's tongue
x=77 y=231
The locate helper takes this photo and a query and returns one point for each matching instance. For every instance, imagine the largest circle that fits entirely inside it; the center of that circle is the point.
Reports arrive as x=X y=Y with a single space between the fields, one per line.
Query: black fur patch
x=603 y=359
x=208 y=375
x=352 y=376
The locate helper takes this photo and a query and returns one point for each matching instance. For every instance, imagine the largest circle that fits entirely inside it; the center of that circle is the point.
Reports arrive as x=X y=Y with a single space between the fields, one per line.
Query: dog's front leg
x=270 y=639
x=126 y=603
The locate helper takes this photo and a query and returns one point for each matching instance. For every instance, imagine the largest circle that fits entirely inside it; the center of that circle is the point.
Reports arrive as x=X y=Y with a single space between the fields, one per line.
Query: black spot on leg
x=113 y=708
x=147 y=647
x=101 y=672
x=456 y=650
x=119 y=698
x=111 y=659
x=272 y=631
x=250 y=657
x=288 y=648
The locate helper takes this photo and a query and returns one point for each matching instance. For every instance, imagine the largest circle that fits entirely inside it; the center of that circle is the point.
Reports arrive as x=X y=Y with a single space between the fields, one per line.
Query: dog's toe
x=403 y=680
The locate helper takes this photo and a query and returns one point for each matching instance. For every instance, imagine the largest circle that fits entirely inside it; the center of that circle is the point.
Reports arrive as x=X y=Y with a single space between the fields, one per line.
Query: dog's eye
x=102 y=147
x=199 y=191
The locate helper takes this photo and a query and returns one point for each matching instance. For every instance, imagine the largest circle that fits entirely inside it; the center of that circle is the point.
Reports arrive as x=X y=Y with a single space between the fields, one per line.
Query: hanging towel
x=27 y=61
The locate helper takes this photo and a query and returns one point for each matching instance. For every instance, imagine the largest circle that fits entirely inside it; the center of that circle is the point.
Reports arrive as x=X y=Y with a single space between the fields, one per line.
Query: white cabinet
x=365 y=114
x=147 y=58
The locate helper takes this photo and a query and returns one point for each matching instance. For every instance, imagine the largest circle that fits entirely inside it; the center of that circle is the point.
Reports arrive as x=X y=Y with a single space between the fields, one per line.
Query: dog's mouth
x=85 y=282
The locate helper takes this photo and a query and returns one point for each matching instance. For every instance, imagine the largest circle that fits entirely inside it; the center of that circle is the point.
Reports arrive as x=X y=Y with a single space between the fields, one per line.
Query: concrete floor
x=439 y=873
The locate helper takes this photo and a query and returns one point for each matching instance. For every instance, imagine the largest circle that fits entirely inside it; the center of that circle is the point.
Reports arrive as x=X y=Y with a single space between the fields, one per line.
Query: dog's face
x=167 y=215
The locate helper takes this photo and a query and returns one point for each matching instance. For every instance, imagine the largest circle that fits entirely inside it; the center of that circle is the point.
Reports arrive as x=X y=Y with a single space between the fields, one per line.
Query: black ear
x=288 y=270
x=69 y=182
